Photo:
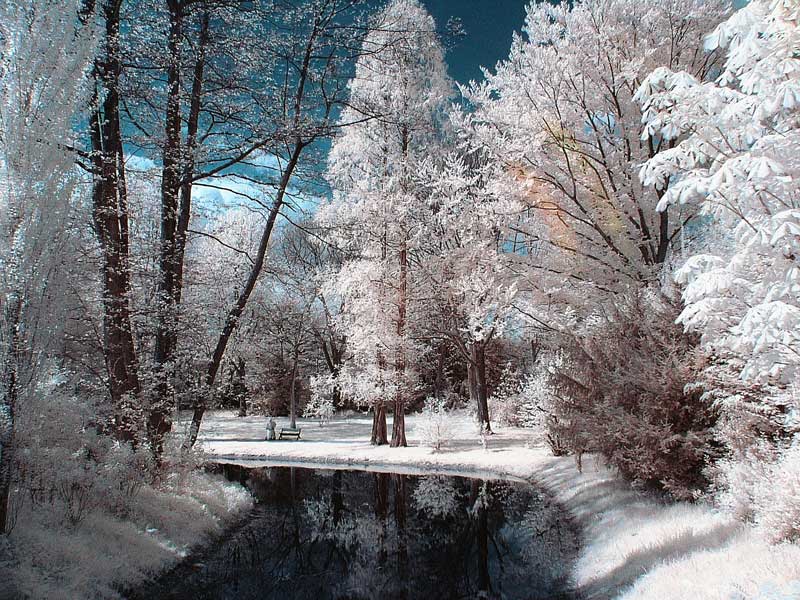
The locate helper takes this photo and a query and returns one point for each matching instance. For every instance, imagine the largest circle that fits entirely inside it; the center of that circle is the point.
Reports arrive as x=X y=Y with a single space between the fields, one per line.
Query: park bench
x=287 y=434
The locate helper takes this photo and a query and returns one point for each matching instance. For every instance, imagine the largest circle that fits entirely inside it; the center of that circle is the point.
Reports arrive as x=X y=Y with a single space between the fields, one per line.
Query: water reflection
x=347 y=535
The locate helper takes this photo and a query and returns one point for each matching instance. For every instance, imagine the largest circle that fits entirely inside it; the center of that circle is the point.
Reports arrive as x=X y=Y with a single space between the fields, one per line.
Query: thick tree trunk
x=399 y=421
x=176 y=200
x=110 y=218
x=379 y=429
x=399 y=424
x=480 y=385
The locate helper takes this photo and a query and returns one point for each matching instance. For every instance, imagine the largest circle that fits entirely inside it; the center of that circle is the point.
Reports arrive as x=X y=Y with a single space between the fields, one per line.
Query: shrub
x=626 y=390
x=432 y=428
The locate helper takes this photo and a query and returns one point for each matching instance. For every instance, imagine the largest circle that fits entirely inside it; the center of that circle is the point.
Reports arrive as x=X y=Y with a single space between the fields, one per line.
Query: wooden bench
x=286 y=434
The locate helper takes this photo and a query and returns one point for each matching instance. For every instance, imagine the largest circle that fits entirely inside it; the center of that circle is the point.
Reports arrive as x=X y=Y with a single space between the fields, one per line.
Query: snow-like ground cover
x=105 y=554
x=634 y=546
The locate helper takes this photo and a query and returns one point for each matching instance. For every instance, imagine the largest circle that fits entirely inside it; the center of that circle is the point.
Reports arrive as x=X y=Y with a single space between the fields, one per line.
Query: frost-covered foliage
x=625 y=390
x=42 y=87
x=763 y=486
x=735 y=157
x=504 y=401
x=378 y=209
x=66 y=467
x=530 y=400
x=320 y=406
x=80 y=492
x=560 y=116
x=433 y=428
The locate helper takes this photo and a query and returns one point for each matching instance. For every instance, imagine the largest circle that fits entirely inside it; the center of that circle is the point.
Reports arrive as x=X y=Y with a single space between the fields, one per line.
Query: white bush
x=763 y=486
x=777 y=501
x=320 y=405
x=432 y=428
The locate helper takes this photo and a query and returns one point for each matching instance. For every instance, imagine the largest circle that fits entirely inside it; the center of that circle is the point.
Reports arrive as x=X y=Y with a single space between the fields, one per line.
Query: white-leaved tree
x=42 y=86
x=560 y=119
x=468 y=264
x=399 y=92
x=734 y=154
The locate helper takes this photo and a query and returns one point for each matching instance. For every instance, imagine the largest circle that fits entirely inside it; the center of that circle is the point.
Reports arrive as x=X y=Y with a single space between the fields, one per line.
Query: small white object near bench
x=287 y=433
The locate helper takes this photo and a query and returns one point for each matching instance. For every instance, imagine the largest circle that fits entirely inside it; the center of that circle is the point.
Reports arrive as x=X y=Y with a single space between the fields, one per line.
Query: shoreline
x=632 y=545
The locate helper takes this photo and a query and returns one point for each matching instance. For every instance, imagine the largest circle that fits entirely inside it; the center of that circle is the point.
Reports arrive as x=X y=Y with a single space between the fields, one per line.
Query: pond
x=347 y=535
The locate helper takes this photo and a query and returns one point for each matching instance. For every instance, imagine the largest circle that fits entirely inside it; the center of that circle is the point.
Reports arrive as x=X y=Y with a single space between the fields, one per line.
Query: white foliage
x=320 y=406
x=560 y=120
x=378 y=210
x=736 y=157
x=432 y=428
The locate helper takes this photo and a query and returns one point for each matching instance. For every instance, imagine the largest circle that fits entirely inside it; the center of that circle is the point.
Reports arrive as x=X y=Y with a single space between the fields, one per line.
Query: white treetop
x=399 y=94
x=560 y=118
x=735 y=155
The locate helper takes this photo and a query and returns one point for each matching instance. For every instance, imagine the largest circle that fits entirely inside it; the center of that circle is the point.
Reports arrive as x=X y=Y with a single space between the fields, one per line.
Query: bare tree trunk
x=439 y=380
x=379 y=429
x=471 y=381
x=241 y=385
x=10 y=393
x=480 y=385
x=399 y=421
x=293 y=395
x=399 y=424
x=110 y=218
x=176 y=200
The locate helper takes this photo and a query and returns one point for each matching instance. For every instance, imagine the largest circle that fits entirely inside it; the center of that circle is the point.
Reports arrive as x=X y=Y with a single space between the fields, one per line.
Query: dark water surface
x=347 y=535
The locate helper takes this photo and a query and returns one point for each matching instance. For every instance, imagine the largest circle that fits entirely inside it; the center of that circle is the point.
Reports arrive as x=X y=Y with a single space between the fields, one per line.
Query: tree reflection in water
x=347 y=535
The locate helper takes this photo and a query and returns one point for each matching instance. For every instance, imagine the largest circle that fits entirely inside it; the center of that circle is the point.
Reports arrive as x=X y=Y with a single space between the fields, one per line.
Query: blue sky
x=488 y=24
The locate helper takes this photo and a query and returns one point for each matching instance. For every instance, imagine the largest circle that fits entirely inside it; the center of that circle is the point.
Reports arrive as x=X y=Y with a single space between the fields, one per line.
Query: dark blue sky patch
x=488 y=25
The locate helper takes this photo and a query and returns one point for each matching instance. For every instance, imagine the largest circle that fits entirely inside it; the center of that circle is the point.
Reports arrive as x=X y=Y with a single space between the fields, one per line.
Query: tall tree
x=110 y=215
x=468 y=264
x=401 y=80
x=311 y=49
x=560 y=118
x=43 y=81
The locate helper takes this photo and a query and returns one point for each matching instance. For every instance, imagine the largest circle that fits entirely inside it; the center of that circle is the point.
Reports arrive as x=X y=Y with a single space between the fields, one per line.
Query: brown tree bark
x=481 y=388
x=110 y=216
x=379 y=430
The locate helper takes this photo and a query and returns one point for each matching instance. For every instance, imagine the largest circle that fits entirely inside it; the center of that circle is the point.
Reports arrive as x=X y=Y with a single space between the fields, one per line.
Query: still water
x=347 y=535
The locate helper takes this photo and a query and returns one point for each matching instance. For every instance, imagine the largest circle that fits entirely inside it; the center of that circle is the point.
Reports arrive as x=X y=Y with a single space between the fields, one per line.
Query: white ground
x=105 y=553
x=634 y=547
